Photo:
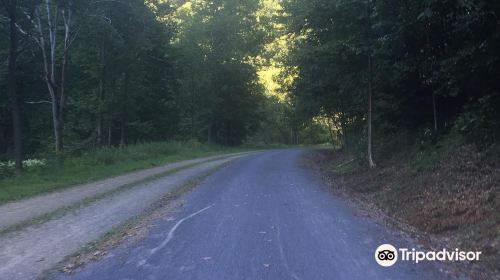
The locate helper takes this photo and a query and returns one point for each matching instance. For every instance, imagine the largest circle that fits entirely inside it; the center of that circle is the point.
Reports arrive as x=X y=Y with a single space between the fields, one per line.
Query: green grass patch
x=101 y=163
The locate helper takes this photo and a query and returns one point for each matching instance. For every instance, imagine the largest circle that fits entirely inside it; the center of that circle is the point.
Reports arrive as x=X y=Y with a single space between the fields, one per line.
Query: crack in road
x=170 y=234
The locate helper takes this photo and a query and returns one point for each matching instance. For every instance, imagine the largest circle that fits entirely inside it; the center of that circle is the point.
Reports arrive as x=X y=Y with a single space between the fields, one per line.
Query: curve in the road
x=270 y=219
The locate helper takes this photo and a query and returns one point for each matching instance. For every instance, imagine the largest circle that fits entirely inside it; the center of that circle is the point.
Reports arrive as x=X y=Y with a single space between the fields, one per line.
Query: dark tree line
x=83 y=74
x=415 y=65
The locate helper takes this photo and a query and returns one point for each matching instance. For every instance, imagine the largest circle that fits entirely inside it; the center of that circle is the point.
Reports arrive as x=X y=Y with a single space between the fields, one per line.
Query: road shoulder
x=34 y=249
x=19 y=214
x=320 y=166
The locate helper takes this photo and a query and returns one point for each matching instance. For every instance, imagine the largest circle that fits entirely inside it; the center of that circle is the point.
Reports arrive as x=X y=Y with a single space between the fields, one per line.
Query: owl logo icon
x=386 y=255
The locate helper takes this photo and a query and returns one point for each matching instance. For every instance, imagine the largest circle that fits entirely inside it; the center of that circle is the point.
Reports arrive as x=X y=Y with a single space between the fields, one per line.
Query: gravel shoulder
x=17 y=212
x=25 y=254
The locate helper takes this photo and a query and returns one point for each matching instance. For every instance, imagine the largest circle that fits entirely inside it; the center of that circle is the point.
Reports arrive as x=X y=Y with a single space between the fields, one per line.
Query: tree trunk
x=330 y=129
x=62 y=85
x=434 y=111
x=56 y=91
x=344 y=134
x=124 y=109
x=12 y=86
x=370 y=155
x=110 y=134
x=99 y=129
x=122 y=131
x=110 y=119
x=56 y=121
x=209 y=132
x=343 y=125
x=100 y=114
x=3 y=141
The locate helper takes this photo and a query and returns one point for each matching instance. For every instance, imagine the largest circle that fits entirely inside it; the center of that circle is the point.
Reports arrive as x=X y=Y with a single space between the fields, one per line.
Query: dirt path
x=25 y=254
x=20 y=211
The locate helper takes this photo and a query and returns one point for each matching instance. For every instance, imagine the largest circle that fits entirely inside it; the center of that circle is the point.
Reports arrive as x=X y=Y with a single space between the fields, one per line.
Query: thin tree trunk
x=99 y=129
x=110 y=118
x=56 y=91
x=110 y=134
x=434 y=111
x=3 y=144
x=58 y=129
x=192 y=115
x=100 y=115
x=370 y=155
x=122 y=131
x=430 y=84
x=209 y=132
x=12 y=86
x=62 y=86
x=123 y=119
x=49 y=75
x=343 y=125
x=330 y=129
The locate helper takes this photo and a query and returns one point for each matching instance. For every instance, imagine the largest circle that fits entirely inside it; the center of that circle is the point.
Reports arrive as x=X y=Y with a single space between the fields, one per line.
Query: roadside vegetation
x=410 y=91
x=87 y=80
x=448 y=190
x=56 y=172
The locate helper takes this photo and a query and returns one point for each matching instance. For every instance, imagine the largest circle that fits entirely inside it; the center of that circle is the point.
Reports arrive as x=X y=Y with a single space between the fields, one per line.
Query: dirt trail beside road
x=25 y=254
x=13 y=213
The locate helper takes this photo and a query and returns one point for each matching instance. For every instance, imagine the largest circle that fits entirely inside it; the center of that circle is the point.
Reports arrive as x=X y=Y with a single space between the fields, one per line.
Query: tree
x=48 y=43
x=217 y=41
x=11 y=7
x=354 y=71
x=370 y=83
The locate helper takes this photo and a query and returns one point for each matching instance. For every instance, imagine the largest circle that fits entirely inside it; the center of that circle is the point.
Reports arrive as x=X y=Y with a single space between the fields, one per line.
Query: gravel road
x=263 y=217
x=15 y=212
x=25 y=254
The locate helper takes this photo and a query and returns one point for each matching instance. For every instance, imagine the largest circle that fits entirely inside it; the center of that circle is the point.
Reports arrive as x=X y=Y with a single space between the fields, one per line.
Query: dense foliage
x=81 y=74
x=435 y=66
x=102 y=73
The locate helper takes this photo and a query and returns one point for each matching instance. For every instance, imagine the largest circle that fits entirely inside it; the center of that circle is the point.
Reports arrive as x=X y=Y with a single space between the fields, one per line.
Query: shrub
x=8 y=169
x=480 y=122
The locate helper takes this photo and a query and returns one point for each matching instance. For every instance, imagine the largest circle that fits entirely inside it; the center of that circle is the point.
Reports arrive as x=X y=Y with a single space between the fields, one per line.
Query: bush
x=8 y=169
x=480 y=122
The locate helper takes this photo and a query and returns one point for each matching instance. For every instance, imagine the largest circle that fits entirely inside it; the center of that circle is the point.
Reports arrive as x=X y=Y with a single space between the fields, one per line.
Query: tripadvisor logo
x=387 y=255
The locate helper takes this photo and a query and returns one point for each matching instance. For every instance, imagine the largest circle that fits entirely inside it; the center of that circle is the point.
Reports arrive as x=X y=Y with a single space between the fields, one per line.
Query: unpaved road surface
x=15 y=212
x=263 y=217
x=25 y=254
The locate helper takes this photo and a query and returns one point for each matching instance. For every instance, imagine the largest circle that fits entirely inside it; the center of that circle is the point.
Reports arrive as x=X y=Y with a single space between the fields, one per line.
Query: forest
x=80 y=75
x=394 y=105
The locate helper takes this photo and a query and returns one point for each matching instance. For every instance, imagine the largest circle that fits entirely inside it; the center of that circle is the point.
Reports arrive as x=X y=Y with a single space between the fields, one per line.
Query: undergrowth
x=447 y=188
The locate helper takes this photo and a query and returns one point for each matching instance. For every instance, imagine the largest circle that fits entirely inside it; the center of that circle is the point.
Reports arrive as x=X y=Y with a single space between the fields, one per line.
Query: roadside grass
x=59 y=173
x=449 y=190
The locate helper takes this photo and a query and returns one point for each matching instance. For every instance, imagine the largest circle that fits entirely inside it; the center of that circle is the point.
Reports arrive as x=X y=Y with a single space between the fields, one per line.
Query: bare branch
x=39 y=102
